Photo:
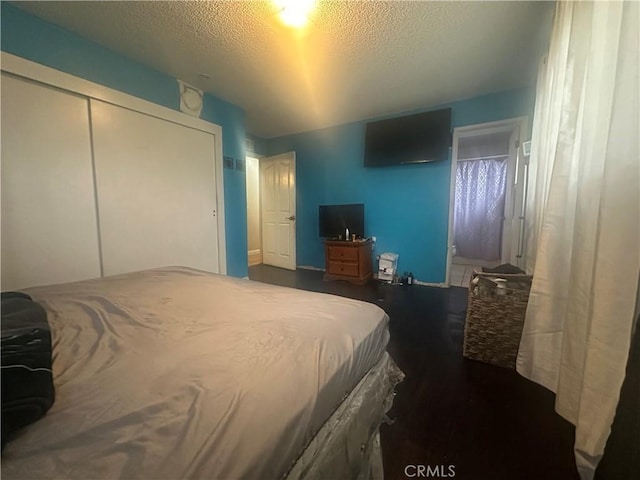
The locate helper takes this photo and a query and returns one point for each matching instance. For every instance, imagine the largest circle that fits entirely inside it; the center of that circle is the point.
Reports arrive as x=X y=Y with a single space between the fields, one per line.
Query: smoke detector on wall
x=190 y=99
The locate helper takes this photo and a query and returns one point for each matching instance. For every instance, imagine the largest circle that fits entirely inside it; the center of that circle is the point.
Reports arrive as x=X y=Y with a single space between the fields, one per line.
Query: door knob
x=292 y=218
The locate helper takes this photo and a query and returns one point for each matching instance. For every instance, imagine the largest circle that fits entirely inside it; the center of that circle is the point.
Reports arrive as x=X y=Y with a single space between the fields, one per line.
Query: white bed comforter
x=175 y=373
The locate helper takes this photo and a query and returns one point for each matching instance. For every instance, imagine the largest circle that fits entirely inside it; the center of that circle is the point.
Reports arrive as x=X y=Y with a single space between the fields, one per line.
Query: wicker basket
x=495 y=317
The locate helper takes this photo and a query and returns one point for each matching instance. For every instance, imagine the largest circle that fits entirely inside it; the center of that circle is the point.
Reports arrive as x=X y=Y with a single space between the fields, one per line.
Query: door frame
x=36 y=72
x=515 y=170
x=258 y=157
x=295 y=205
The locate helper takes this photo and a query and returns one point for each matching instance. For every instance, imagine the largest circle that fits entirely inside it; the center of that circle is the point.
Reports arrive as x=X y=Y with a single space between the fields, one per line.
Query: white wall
x=254 y=241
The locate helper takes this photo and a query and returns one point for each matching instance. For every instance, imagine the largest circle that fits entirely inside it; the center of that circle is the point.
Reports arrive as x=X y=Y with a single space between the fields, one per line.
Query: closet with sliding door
x=96 y=185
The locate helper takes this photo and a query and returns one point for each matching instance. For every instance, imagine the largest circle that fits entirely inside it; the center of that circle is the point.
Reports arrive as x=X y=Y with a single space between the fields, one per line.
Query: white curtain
x=583 y=213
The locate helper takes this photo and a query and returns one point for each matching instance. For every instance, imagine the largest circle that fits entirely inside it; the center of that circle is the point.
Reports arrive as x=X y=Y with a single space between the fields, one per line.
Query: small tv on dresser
x=333 y=220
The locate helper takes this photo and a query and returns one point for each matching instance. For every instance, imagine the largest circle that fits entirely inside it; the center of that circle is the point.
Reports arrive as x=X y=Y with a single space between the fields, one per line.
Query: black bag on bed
x=27 y=379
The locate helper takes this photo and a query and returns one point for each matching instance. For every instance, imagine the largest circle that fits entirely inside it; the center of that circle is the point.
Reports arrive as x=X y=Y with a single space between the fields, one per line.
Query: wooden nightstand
x=350 y=261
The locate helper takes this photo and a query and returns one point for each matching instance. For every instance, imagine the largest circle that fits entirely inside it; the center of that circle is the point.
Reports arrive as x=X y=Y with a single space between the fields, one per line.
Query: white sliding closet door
x=49 y=226
x=156 y=191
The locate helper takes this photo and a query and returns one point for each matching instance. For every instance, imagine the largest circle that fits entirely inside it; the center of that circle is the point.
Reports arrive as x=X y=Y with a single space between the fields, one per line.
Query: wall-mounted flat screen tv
x=420 y=138
x=335 y=219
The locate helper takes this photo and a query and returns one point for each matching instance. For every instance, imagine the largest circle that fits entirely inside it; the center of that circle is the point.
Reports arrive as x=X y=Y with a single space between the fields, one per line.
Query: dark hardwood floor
x=484 y=421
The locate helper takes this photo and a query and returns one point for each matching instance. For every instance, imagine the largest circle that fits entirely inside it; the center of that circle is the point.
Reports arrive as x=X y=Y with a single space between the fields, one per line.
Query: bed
x=176 y=373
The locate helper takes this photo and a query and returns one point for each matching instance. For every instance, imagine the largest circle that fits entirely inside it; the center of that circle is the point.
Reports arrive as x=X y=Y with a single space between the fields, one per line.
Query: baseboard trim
x=310 y=267
x=429 y=284
x=254 y=257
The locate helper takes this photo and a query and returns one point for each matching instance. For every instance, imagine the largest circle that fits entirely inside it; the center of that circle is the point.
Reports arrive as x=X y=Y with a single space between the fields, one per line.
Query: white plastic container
x=387 y=266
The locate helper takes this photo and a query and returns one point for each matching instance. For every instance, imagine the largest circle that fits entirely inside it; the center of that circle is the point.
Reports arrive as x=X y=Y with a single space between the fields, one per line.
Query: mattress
x=178 y=373
x=348 y=444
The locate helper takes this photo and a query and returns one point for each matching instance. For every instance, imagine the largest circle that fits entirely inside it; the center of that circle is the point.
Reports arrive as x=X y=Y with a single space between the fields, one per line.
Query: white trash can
x=387 y=265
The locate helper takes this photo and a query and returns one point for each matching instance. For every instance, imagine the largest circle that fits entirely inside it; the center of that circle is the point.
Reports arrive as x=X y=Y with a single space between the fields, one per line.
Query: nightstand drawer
x=343 y=253
x=350 y=261
x=340 y=268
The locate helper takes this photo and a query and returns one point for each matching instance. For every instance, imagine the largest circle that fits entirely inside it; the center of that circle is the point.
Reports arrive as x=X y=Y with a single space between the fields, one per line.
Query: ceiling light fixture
x=295 y=13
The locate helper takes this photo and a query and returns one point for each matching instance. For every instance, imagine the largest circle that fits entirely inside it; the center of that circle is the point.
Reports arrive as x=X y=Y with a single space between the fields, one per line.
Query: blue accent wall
x=29 y=37
x=406 y=206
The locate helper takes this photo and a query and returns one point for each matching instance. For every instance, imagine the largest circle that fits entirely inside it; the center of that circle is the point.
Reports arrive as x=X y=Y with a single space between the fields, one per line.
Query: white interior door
x=49 y=226
x=156 y=191
x=278 y=210
x=513 y=209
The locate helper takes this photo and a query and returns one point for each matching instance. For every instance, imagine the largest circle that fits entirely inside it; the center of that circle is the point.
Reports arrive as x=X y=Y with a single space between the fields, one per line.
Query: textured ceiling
x=356 y=60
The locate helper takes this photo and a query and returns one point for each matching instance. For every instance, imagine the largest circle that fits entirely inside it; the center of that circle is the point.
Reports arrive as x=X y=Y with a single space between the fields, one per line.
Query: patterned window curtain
x=479 y=208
